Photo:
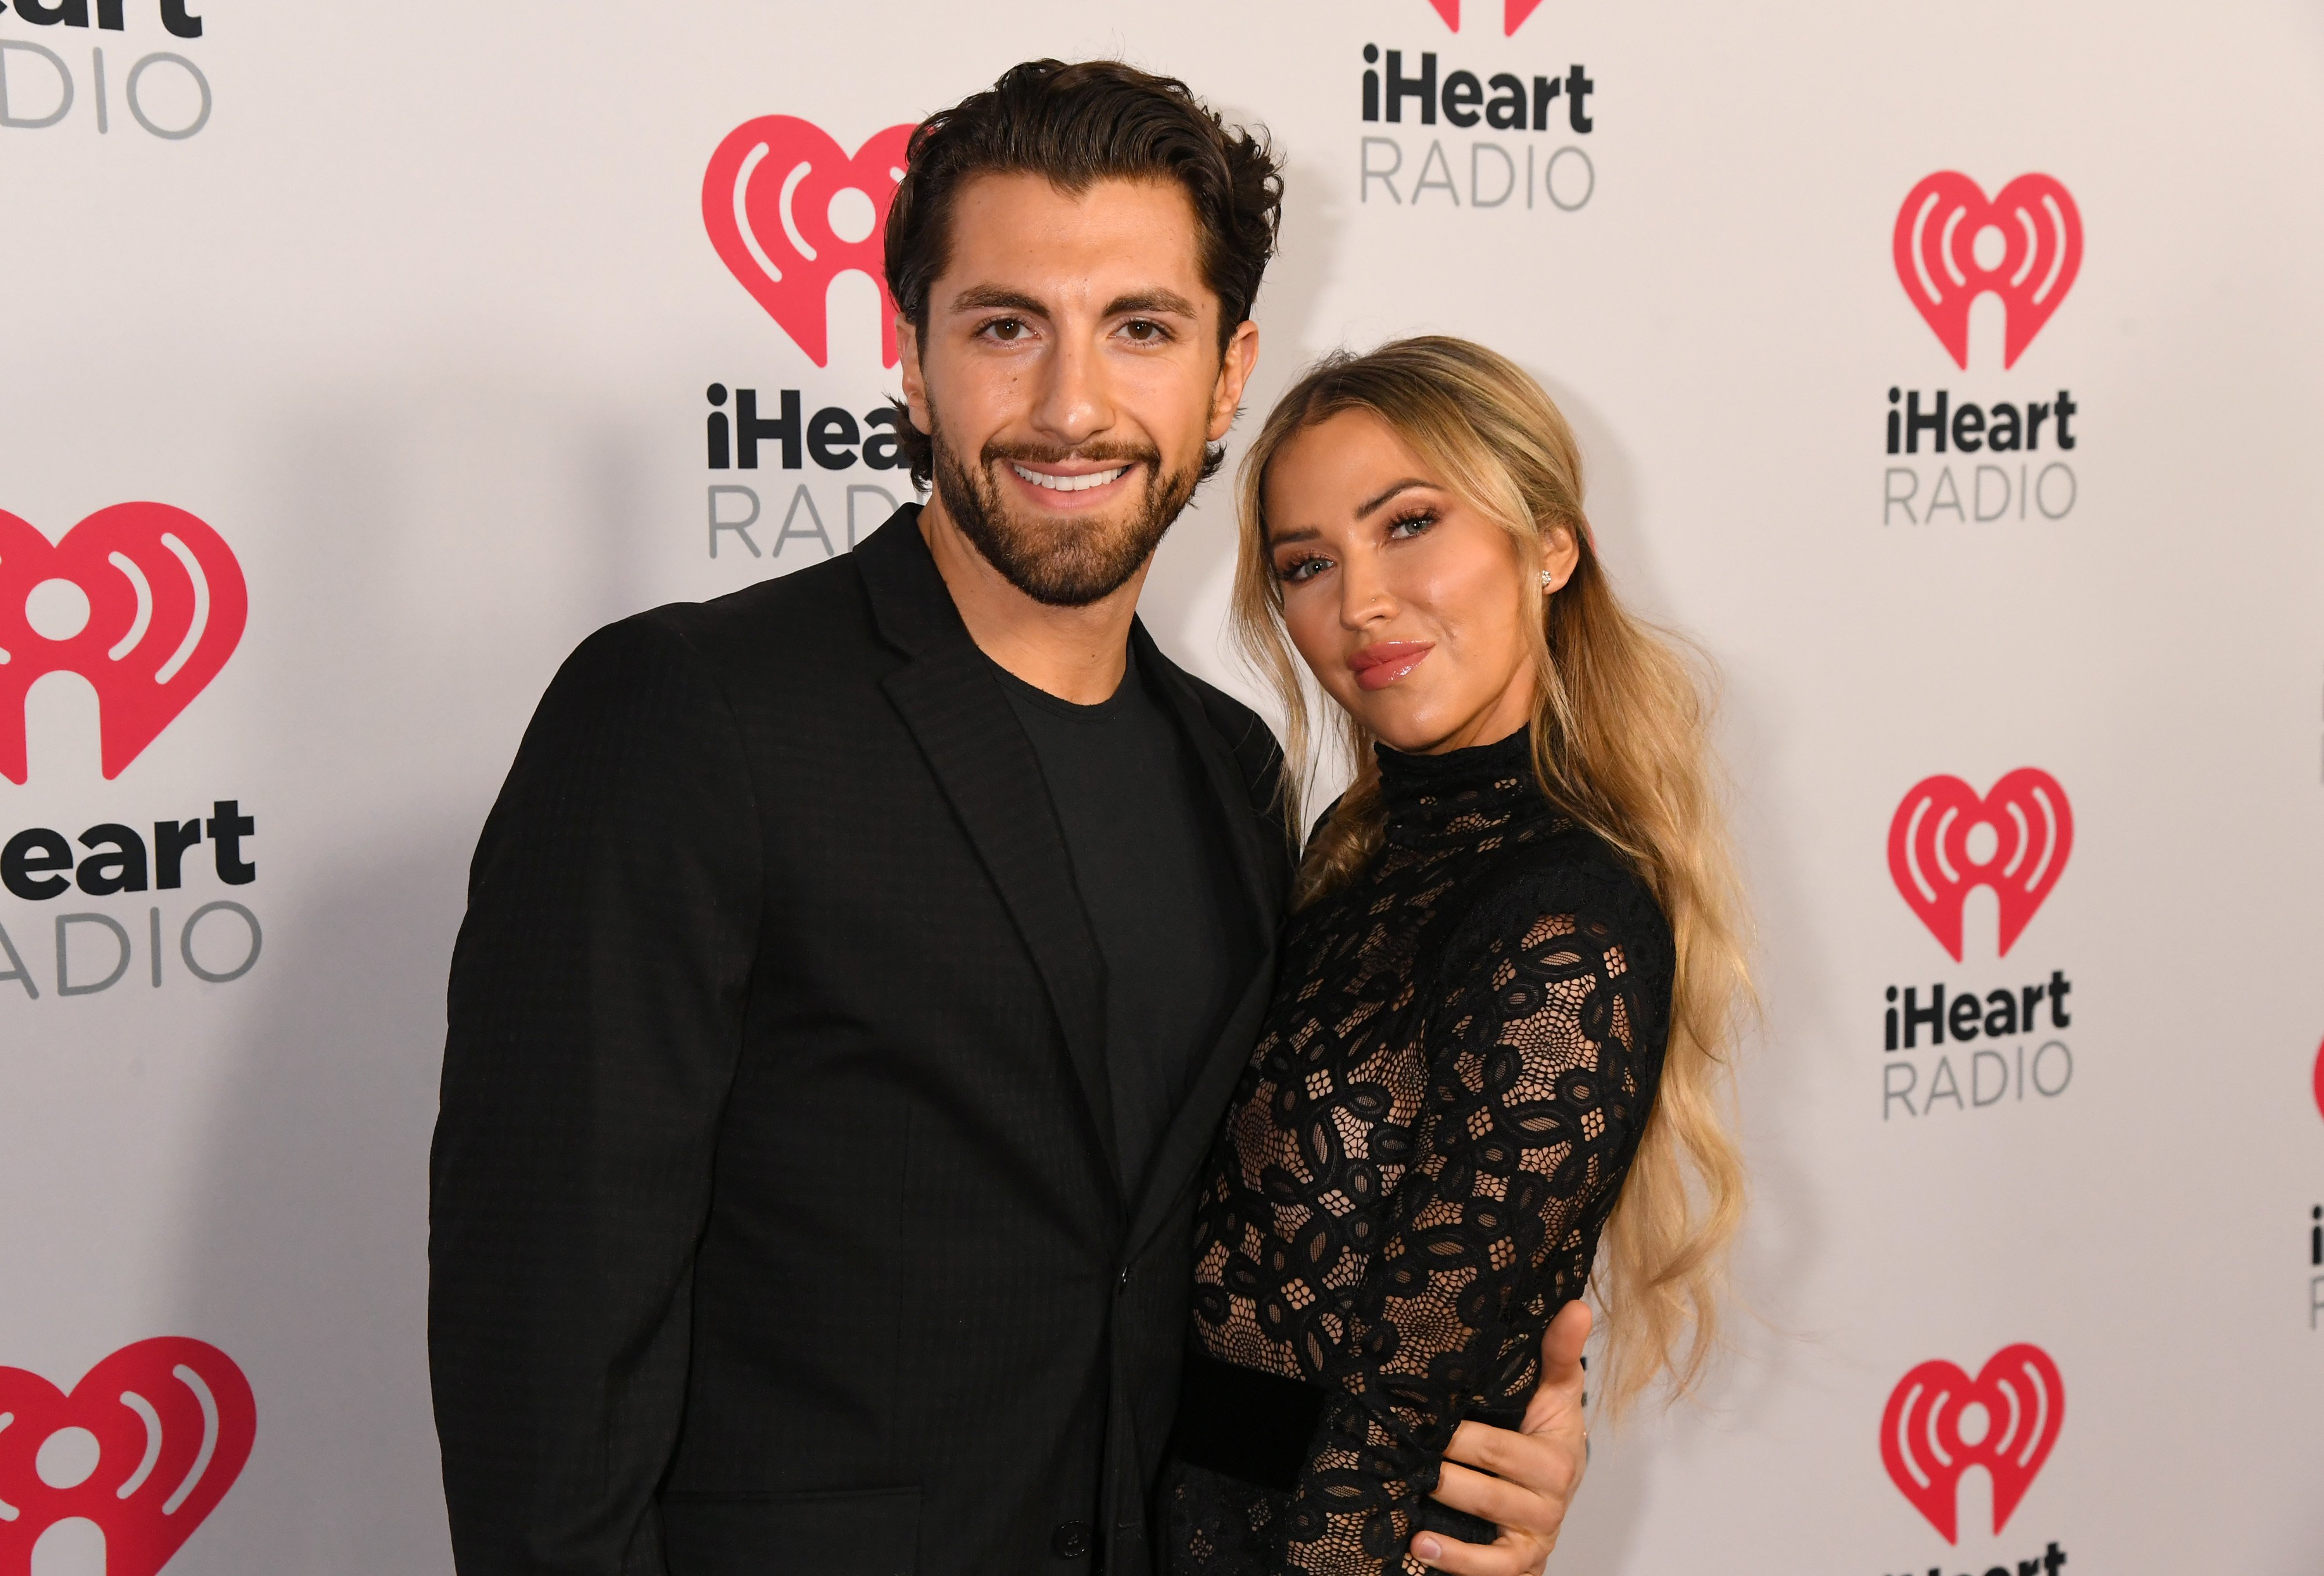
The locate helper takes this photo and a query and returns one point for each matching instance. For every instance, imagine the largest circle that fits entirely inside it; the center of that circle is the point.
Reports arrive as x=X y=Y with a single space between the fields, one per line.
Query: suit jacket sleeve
x=595 y=1011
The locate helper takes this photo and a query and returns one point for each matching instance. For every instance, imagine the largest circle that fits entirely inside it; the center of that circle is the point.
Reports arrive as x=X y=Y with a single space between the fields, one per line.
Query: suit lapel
x=1259 y=867
x=1263 y=869
x=980 y=758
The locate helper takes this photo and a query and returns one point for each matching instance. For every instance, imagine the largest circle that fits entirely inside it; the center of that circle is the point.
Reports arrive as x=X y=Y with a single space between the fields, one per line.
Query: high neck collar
x=1459 y=795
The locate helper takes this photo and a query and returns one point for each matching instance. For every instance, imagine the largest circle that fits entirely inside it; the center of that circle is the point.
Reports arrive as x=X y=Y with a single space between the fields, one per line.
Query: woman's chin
x=1409 y=720
x=1403 y=730
x=1412 y=733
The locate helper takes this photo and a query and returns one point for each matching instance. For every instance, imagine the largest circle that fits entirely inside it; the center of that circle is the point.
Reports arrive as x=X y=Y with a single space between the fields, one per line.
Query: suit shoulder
x=712 y=643
x=818 y=611
x=822 y=599
x=644 y=649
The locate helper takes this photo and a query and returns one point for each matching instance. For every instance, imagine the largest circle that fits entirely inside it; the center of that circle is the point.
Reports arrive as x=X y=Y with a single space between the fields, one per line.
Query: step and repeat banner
x=1952 y=374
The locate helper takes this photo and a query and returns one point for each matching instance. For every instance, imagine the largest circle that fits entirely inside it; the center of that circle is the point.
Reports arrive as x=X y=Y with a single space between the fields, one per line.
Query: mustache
x=1051 y=453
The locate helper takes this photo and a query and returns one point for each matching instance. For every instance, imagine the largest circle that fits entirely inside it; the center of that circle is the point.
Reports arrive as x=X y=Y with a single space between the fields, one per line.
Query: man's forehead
x=1115 y=235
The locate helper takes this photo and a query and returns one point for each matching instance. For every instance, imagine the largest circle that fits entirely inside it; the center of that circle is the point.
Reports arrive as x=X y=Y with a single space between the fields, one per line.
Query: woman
x=1507 y=988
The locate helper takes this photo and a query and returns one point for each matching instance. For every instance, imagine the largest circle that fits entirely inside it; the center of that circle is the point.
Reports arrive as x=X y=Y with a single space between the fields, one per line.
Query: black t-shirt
x=1163 y=899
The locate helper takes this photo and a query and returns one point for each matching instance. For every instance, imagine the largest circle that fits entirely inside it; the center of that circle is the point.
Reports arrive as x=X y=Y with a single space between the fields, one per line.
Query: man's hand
x=1534 y=1472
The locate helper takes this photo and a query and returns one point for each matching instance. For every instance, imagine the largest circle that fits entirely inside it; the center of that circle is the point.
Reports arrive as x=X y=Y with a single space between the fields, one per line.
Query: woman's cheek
x=1299 y=619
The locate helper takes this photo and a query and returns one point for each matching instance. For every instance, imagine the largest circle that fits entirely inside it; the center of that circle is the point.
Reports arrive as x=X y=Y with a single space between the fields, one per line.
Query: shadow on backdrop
x=461 y=542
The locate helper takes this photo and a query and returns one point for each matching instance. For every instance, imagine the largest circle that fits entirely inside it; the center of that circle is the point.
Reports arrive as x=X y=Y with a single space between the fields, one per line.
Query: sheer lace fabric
x=1421 y=1154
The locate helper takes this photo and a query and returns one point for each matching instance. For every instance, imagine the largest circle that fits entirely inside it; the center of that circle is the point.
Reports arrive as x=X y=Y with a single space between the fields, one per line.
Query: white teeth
x=1068 y=484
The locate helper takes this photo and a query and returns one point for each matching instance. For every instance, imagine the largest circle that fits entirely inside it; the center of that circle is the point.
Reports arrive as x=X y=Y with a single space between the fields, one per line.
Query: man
x=857 y=967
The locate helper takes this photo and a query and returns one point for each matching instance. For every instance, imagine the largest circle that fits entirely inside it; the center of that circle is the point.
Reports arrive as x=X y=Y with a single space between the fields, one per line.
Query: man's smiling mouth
x=1055 y=484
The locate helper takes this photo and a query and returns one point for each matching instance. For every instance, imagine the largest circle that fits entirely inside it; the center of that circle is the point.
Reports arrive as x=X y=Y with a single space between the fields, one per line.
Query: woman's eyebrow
x=1405 y=485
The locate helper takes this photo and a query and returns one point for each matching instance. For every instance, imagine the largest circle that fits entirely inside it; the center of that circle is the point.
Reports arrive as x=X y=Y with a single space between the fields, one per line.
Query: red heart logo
x=1513 y=14
x=790 y=212
x=1928 y=855
x=1936 y=245
x=1923 y=1445
x=151 y=605
x=145 y=1447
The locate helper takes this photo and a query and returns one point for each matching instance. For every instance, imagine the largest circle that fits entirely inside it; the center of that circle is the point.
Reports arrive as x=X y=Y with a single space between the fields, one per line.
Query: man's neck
x=1077 y=654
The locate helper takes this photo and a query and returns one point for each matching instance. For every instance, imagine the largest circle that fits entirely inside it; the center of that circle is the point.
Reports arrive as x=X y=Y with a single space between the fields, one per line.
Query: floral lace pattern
x=1421 y=1153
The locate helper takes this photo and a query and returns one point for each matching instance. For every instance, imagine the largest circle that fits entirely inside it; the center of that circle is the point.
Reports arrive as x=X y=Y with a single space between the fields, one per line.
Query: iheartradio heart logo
x=2031 y=231
x=144 y=601
x=789 y=211
x=1940 y=1423
x=2028 y=828
x=1513 y=12
x=145 y=1447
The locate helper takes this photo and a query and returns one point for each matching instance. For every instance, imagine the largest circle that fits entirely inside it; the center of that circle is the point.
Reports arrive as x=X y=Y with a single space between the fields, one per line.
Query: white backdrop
x=416 y=311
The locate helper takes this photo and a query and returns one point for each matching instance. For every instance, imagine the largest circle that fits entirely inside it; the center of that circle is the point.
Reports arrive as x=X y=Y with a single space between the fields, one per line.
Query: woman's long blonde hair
x=1620 y=744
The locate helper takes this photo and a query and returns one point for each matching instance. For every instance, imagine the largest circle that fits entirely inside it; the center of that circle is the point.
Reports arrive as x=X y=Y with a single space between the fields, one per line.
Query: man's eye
x=1008 y=330
x=1144 y=331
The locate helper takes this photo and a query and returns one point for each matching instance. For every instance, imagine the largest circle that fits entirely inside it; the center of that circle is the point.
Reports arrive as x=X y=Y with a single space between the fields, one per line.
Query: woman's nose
x=1364 y=597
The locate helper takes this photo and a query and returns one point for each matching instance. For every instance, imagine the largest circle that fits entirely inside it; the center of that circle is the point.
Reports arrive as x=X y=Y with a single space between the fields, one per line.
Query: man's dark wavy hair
x=1077 y=125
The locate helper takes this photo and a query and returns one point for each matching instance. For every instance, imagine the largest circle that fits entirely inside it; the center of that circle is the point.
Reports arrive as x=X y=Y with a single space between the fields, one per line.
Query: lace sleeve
x=1542 y=1052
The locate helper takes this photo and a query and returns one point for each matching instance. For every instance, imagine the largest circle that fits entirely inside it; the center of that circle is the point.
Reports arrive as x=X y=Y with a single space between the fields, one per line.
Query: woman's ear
x=1561 y=555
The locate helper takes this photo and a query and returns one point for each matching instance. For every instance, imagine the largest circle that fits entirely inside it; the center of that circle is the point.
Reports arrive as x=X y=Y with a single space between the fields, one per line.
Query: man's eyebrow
x=1405 y=485
x=1152 y=300
x=982 y=298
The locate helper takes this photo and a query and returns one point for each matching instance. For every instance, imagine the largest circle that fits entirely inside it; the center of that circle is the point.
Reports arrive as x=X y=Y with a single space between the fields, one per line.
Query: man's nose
x=1075 y=401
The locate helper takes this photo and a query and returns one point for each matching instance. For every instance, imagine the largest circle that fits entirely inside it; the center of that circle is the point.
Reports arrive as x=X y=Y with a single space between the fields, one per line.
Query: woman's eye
x=1299 y=569
x=1411 y=525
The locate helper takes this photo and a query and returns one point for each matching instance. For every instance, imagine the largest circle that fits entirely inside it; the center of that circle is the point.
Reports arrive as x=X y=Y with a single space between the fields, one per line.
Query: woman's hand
x=1534 y=1473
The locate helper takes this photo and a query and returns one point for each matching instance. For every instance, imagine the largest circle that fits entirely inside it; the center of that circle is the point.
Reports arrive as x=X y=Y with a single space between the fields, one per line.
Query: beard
x=1060 y=563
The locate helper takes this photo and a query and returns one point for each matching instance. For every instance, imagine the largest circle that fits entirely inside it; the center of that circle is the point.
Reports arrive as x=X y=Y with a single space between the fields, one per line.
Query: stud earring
x=1546 y=583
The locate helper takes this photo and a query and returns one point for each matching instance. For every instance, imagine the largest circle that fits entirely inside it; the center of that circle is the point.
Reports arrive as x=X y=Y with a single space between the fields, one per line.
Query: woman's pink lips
x=1378 y=666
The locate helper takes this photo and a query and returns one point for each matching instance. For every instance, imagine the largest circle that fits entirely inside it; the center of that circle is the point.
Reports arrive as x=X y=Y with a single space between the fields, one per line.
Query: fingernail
x=1426 y=1547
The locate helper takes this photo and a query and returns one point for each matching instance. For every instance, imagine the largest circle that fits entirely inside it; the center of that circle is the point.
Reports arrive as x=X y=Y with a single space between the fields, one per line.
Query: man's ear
x=1234 y=372
x=915 y=385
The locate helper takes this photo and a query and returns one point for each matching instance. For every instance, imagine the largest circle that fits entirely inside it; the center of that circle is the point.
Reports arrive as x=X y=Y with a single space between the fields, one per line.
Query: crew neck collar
x=1125 y=694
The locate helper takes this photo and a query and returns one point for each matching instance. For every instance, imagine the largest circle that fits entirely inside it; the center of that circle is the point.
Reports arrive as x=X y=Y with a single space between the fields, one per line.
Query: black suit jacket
x=775 y=1221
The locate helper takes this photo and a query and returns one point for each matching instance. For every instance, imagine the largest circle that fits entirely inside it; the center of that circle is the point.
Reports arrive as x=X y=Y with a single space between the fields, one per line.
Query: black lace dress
x=1463 y=1048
